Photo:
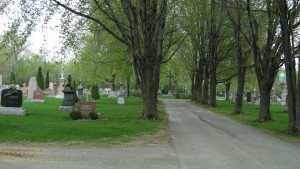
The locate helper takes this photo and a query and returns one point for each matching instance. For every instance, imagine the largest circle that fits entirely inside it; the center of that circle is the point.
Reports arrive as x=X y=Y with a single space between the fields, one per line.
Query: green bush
x=40 y=79
x=183 y=96
x=75 y=115
x=95 y=92
x=93 y=116
x=136 y=93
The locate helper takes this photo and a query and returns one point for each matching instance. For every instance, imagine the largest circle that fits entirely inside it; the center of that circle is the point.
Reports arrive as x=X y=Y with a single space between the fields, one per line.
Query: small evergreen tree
x=12 y=78
x=47 y=81
x=95 y=92
x=40 y=79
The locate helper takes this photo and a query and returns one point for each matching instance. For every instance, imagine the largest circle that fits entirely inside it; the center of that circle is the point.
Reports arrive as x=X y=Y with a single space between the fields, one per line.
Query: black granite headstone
x=69 y=99
x=11 y=98
x=248 y=94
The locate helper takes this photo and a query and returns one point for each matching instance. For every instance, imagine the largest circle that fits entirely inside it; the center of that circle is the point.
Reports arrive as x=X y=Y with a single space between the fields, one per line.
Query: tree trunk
x=240 y=89
x=195 y=94
x=267 y=59
x=213 y=58
x=213 y=87
x=264 y=107
x=149 y=87
x=128 y=85
x=200 y=91
x=227 y=89
x=205 y=86
x=298 y=97
x=194 y=89
x=289 y=65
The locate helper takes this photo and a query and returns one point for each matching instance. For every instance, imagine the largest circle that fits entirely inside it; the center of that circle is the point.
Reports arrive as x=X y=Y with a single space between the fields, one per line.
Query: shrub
x=183 y=96
x=95 y=92
x=93 y=116
x=136 y=93
x=75 y=115
x=40 y=79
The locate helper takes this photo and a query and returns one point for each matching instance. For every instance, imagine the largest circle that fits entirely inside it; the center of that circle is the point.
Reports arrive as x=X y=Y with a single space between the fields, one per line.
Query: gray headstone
x=32 y=86
x=0 y=80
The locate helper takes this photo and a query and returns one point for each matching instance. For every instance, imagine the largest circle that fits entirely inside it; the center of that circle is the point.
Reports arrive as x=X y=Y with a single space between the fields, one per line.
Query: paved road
x=202 y=140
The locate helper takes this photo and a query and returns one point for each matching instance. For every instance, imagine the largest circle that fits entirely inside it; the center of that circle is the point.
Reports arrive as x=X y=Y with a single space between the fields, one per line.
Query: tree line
x=216 y=40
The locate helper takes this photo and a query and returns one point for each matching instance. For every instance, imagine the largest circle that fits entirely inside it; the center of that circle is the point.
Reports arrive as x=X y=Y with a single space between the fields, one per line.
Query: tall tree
x=40 y=78
x=235 y=13
x=287 y=24
x=47 y=81
x=267 y=49
x=141 y=28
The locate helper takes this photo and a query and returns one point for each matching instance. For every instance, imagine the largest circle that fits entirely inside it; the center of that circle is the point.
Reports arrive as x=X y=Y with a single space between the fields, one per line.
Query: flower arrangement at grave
x=12 y=87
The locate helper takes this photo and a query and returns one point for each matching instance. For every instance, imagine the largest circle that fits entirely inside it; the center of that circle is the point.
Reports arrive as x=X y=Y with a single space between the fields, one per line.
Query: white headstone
x=32 y=86
x=51 y=85
x=0 y=80
x=62 y=73
x=60 y=94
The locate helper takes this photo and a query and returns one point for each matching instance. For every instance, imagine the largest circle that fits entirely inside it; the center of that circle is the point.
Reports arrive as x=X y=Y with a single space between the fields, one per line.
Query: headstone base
x=112 y=94
x=12 y=111
x=121 y=100
x=66 y=108
x=59 y=97
x=37 y=101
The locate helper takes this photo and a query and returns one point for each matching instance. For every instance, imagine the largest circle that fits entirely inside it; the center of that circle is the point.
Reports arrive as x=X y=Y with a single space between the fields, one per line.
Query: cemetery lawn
x=119 y=126
x=277 y=127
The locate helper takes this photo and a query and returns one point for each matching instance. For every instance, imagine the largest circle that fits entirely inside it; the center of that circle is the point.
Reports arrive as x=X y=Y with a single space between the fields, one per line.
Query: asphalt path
x=201 y=140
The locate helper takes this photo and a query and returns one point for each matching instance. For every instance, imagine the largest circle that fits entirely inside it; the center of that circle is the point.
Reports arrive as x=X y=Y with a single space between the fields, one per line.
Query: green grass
x=45 y=124
x=277 y=127
x=166 y=97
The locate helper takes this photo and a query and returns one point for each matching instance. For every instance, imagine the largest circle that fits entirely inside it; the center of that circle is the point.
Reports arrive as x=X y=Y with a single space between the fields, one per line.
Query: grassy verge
x=277 y=127
x=45 y=124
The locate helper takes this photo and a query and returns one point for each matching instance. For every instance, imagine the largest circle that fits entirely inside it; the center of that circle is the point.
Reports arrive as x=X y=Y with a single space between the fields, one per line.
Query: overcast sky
x=47 y=37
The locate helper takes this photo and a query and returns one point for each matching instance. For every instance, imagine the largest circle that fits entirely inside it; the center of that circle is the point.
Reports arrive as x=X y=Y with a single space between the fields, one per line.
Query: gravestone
x=85 y=107
x=284 y=97
x=274 y=99
x=255 y=94
x=24 y=90
x=248 y=95
x=51 y=92
x=32 y=86
x=55 y=88
x=80 y=92
x=113 y=92
x=11 y=101
x=60 y=93
x=51 y=85
x=38 y=96
x=234 y=97
x=121 y=97
x=11 y=98
x=69 y=97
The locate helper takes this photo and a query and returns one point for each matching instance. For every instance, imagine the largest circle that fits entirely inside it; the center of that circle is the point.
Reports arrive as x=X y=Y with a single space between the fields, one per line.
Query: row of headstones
x=255 y=99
